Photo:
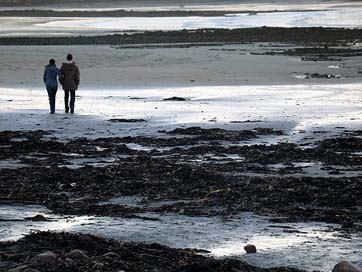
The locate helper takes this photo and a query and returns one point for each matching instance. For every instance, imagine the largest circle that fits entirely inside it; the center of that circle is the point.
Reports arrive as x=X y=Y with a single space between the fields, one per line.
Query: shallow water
x=228 y=5
x=311 y=246
x=11 y=164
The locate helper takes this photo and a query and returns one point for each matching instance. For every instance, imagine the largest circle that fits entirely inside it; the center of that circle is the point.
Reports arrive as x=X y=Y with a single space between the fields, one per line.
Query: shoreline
x=131 y=13
x=295 y=35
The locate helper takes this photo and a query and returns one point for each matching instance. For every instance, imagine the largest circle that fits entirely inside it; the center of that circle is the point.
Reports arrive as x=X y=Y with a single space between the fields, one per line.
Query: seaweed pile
x=205 y=172
x=47 y=251
x=295 y=35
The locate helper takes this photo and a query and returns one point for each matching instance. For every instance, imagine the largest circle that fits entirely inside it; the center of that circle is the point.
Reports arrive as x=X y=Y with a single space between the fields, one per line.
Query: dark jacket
x=70 y=79
x=50 y=76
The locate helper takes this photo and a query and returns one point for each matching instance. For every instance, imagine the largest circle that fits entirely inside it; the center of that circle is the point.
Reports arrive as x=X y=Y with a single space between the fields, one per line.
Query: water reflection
x=310 y=246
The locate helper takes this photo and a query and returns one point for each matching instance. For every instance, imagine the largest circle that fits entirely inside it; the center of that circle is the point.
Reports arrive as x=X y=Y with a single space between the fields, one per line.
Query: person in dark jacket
x=70 y=82
x=50 y=78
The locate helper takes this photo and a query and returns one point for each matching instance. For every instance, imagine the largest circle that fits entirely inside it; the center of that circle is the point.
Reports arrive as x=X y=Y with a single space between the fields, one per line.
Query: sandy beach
x=125 y=67
x=194 y=135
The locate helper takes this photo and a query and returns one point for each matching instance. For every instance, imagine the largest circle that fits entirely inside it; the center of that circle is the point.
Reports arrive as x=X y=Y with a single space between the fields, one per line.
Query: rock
x=98 y=267
x=37 y=217
x=20 y=268
x=89 y=148
x=345 y=266
x=77 y=254
x=250 y=249
x=175 y=98
x=116 y=120
x=111 y=255
x=68 y=261
x=23 y=268
x=320 y=58
x=45 y=258
x=30 y=270
x=323 y=76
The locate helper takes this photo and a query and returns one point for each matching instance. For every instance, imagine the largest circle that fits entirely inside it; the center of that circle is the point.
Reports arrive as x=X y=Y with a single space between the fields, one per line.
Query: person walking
x=50 y=78
x=70 y=82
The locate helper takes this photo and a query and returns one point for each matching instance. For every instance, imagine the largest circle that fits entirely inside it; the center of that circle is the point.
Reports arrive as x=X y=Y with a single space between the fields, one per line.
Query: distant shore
x=305 y=36
x=130 y=13
x=147 y=3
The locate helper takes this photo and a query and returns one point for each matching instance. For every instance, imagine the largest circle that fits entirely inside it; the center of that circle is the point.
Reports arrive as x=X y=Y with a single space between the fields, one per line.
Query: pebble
x=250 y=248
x=346 y=266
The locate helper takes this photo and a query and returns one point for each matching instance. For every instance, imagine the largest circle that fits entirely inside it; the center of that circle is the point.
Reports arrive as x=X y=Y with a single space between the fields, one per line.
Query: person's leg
x=52 y=99
x=72 y=101
x=49 y=91
x=66 y=99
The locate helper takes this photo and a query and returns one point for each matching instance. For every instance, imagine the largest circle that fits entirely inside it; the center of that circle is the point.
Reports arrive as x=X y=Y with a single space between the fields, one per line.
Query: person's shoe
x=66 y=110
x=52 y=112
x=72 y=111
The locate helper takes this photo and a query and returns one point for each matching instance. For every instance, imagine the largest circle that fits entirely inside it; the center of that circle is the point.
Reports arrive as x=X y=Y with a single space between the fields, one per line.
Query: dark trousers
x=72 y=100
x=52 y=92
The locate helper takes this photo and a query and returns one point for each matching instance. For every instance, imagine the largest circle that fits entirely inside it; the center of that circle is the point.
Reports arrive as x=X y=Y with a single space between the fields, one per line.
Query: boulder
x=46 y=258
x=250 y=248
x=345 y=266
x=77 y=254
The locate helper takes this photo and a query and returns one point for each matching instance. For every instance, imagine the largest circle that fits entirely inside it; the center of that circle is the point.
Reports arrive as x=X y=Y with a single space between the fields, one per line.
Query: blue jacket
x=50 y=77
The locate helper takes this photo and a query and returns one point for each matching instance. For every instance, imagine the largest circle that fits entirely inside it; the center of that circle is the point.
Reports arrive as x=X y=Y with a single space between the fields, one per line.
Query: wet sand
x=181 y=65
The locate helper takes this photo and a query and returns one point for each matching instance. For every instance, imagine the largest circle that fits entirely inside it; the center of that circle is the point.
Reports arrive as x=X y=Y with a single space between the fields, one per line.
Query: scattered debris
x=207 y=166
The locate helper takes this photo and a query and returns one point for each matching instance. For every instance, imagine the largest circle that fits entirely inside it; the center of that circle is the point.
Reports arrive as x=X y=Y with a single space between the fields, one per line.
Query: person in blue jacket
x=50 y=78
